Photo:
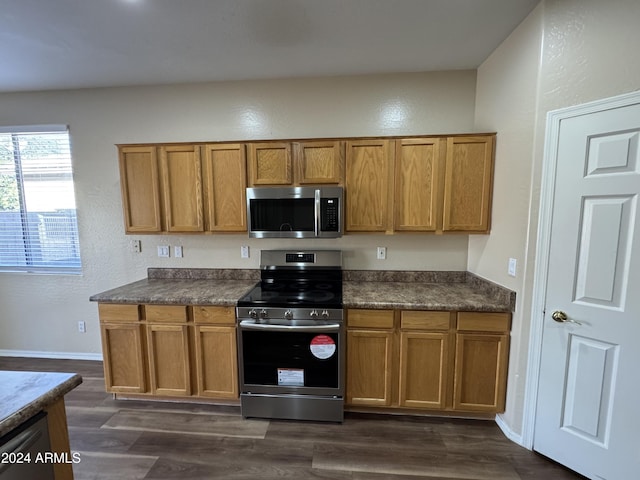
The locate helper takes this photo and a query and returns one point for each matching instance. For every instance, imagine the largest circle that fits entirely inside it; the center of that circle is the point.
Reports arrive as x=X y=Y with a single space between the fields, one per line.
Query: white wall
x=506 y=101
x=567 y=52
x=40 y=313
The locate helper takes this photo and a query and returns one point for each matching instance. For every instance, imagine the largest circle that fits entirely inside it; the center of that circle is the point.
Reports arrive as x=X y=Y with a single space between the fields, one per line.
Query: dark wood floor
x=120 y=439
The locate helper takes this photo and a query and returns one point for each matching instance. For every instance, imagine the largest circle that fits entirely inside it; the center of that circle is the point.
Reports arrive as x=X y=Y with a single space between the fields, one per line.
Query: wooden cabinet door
x=467 y=187
x=424 y=369
x=168 y=348
x=182 y=187
x=480 y=372
x=319 y=162
x=124 y=362
x=270 y=163
x=426 y=359
x=139 y=182
x=216 y=361
x=369 y=185
x=225 y=173
x=417 y=194
x=370 y=367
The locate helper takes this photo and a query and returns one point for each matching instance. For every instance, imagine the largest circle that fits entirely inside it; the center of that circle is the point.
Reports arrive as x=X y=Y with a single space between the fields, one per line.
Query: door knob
x=561 y=317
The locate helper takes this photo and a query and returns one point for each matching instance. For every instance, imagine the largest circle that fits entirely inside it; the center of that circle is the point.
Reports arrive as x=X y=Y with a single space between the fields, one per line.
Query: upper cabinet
x=419 y=184
x=225 y=174
x=436 y=184
x=369 y=185
x=319 y=162
x=270 y=163
x=139 y=181
x=468 y=181
x=296 y=163
x=183 y=188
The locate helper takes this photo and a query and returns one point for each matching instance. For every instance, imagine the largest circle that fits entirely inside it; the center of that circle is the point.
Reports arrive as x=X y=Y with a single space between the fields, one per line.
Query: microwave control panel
x=329 y=216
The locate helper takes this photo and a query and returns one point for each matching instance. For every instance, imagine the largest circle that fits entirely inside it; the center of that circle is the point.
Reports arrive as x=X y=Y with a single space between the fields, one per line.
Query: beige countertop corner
x=24 y=394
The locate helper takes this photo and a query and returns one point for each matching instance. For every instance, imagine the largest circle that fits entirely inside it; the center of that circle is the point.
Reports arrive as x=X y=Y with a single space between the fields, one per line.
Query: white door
x=588 y=408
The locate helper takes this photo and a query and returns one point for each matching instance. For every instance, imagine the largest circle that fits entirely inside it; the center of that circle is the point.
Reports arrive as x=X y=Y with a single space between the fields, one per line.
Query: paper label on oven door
x=292 y=377
x=322 y=347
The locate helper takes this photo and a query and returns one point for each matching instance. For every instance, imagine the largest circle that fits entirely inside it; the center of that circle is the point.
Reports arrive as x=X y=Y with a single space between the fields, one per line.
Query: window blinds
x=38 y=225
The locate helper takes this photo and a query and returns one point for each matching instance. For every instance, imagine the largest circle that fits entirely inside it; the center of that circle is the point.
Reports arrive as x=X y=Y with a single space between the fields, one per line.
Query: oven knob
x=263 y=313
x=325 y=314
x=314 y=314
x=253 y=313
x=288 y=315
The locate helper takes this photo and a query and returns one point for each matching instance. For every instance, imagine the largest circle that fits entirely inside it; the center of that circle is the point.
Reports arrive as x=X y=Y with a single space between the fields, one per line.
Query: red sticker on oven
x=322 y=347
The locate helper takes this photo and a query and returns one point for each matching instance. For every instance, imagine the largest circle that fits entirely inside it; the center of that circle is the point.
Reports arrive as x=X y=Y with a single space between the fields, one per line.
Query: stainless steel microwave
x=295 y=212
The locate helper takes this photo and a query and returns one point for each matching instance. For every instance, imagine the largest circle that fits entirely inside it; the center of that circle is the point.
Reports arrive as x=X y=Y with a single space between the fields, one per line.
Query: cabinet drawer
x=484 y=322
x=166 y=313
x=112 y=312
x=421 y=320
x=214 y=315
x=370 y=318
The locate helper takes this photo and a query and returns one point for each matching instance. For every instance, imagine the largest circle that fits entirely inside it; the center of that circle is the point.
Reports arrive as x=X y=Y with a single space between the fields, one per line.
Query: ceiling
x=66 y=44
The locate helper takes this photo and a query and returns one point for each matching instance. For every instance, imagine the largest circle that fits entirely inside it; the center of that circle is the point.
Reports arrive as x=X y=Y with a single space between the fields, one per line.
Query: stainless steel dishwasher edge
x=19 y=451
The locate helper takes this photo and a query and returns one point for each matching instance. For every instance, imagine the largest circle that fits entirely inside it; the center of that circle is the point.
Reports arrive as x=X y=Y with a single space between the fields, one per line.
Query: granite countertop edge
x=406 y=290
x=63 y=383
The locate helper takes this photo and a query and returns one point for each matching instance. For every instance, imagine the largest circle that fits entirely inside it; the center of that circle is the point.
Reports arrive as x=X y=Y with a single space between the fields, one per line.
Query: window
x=38 y=226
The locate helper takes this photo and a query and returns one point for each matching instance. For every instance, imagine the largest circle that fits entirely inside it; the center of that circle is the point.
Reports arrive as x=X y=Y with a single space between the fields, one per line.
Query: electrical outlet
x=382 y=253
x=177 y=251
x=82 y=327
x=136 y=246
x=244 y=251
x=511 y=269
x=163 y=251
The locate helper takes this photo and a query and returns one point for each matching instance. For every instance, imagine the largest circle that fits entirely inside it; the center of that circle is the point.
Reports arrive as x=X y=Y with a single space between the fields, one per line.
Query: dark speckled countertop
x=184 y=286
x=461 y=291
x=23 y=394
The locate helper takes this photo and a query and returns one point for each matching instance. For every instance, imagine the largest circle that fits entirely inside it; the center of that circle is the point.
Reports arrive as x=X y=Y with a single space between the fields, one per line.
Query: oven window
x=282 y=214
x=290 y=359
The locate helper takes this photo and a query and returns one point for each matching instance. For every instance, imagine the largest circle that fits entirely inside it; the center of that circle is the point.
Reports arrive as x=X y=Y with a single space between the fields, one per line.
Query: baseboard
x=56 y=355
x=510 y=434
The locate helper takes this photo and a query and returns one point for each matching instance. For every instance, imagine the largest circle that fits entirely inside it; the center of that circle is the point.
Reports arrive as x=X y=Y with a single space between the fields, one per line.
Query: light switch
x=244 y=251
x=163 y=251
x=382 y=253
x=511 y=270
x=177 y=251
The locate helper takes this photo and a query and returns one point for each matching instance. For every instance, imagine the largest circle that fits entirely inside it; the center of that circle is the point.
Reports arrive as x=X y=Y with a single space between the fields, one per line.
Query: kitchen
x=509 y=93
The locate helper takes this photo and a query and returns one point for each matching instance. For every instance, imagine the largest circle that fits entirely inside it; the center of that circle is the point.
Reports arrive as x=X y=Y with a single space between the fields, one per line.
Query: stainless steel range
x=291 y=338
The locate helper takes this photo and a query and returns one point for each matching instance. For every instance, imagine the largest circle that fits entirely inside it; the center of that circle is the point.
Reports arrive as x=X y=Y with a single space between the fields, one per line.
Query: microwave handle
x=317 y=212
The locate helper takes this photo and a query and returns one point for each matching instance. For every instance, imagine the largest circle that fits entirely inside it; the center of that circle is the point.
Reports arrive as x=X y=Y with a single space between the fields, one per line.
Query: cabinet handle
x=561 y=317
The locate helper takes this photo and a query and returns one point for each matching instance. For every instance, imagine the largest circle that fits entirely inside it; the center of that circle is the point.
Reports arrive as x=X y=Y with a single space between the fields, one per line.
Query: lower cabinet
x=216 y=355
x=439 y=361
x=170 y=350
x=447 y=361
x=169 y=369
x=425 y=359
x=482 y=358
x=124 y=362
x=123 y=348
x=370 y=357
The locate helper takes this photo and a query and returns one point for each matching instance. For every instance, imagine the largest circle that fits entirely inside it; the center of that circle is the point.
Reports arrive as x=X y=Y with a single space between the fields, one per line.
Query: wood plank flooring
x=126 y=439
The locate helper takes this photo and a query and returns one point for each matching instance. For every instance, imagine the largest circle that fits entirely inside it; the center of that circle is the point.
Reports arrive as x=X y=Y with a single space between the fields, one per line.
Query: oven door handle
x=251 y=325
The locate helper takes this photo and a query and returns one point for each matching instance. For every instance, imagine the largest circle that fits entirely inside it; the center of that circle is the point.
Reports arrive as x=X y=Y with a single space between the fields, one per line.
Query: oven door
x=304 y=358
